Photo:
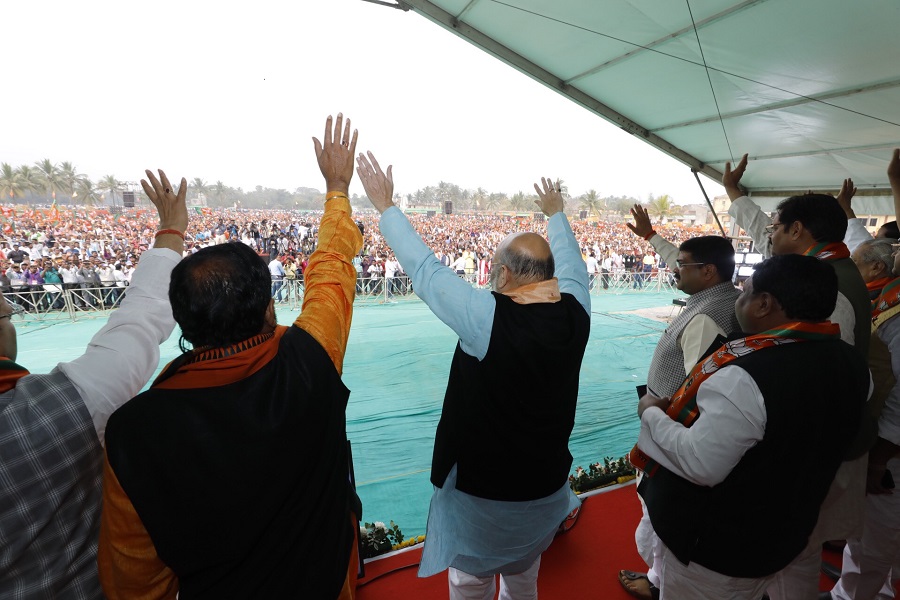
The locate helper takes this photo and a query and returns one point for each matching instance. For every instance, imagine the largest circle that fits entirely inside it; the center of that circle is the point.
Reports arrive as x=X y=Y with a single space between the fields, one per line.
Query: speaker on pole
x=128 y=199
x=582 y=215
x=448 y=207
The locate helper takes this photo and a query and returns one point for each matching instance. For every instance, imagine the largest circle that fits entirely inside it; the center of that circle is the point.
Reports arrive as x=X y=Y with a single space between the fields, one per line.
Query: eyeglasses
x=770 y=229
x=680 y=264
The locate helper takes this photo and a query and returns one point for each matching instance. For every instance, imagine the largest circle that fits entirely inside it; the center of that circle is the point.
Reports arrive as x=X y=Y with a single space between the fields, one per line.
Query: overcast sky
x=234 y=91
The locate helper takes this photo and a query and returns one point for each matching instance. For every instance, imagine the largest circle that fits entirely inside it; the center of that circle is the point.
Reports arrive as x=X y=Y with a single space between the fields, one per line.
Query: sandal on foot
x=638 y=585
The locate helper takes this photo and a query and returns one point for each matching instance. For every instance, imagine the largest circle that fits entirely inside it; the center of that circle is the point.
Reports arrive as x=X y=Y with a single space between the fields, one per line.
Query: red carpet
x=581 y=563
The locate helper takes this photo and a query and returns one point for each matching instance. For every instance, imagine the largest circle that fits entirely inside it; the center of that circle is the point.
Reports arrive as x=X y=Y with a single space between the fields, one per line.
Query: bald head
x=521 y=258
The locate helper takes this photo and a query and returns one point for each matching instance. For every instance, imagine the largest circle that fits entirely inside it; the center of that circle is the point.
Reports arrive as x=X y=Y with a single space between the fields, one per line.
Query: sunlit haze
x=234 y=91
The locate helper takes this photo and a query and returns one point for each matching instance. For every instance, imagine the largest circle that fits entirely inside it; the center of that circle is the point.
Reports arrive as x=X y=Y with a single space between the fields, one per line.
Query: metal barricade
x=631 y=282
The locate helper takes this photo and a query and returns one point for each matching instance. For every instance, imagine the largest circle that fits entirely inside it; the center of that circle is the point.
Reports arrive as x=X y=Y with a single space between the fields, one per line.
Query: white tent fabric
x=810 y=89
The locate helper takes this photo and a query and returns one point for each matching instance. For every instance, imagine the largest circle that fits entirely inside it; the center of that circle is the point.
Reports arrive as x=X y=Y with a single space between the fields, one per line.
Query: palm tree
x=219 y=190
x=592 y=202
x=85 y=190
x=200 y=188
x=663 y=207
x=68 y=175
x=10 y=183
x=109 y=184
x=29 y=178
x=50 y=177
x=520 y=202
x=493 y=201
x=478 y=198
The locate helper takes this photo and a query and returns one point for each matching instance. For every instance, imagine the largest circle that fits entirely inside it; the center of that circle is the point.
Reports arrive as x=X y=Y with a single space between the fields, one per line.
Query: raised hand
x=894 y=167
x=731 y=180
x=335 y=155
x=170 y=205
x=642 y=226
x=848 y=190
x=550 y=199
x=378 y=185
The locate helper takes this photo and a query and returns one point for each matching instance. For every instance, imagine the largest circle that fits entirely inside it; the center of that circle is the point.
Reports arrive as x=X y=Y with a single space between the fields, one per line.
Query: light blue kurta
x=476 y=535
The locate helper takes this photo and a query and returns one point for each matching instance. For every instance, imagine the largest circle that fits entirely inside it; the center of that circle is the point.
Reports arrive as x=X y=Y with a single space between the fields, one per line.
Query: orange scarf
x=876 y=286
x=683 y=406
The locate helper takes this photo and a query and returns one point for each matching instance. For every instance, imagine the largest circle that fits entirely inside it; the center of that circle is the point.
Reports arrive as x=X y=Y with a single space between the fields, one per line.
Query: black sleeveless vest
x=759 y=518
x=506 y=419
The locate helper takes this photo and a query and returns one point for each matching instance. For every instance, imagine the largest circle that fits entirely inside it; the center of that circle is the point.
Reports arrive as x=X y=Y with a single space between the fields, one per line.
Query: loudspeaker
x=448 y=207
x=582 y=215
x=539 y=217
x=128 y=199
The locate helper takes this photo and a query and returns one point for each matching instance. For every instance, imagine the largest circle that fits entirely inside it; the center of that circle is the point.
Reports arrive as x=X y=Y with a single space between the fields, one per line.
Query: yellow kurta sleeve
x=126 y=557
x=330 y=281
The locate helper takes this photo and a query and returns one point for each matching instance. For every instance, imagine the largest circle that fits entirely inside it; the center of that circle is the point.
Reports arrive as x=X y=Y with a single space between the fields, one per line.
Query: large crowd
x=88 y=247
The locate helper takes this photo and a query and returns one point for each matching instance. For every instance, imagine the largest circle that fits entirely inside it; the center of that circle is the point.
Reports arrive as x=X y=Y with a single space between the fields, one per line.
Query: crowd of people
x=229 y=476
x=90 y=249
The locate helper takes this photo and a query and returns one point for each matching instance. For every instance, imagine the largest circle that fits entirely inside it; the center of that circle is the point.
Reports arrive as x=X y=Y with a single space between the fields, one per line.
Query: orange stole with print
x=887 y=299
x=833 y=251
x=683 y=406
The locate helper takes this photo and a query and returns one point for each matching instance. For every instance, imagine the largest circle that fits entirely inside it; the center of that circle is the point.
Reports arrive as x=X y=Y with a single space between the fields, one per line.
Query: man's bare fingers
x=326 y=139
x=338 y=127
x=182 y=190
x=375 y=165
x=157 y=187
x=151 y=193
x=165 y=181
x=317 y=146
x=345 y=138
x=353 y=139
x=390 y=174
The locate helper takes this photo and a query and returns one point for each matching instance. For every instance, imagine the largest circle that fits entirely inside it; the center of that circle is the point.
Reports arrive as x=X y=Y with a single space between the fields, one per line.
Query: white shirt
x=275 y=268
x=732 y=421
x=128 y=345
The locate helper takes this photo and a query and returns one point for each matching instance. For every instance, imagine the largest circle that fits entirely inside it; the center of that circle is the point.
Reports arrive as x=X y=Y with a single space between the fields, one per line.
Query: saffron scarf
x=683 y=406
x=212 y=367
x=10 y=374
x=832 y=251
x=875 y=287
x=887 y=299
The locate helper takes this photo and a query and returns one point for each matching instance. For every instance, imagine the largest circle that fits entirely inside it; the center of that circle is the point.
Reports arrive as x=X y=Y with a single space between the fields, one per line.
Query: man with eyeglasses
x=703 y=267
x=815 y=225
x=866 y=571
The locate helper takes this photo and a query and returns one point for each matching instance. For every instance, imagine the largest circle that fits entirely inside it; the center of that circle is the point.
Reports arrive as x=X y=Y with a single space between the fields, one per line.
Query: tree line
x=46 y=182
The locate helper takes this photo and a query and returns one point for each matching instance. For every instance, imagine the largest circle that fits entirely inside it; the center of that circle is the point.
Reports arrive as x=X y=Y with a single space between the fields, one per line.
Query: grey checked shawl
x=51 y=466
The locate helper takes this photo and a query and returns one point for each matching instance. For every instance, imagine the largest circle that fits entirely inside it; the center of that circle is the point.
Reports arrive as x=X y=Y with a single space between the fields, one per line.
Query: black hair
x=805 y=287
x=220 y=295
x=820 y=214
x=889 y=230
x=712 y=250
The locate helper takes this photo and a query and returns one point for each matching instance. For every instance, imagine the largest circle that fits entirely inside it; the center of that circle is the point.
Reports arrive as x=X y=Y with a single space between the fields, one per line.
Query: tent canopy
x=810 y=89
